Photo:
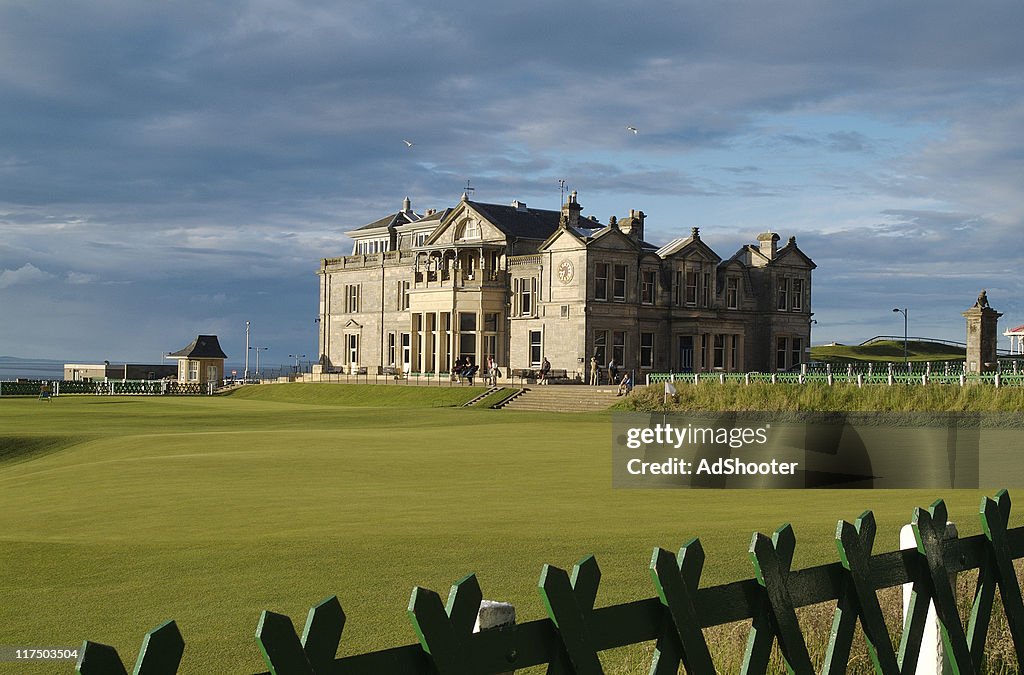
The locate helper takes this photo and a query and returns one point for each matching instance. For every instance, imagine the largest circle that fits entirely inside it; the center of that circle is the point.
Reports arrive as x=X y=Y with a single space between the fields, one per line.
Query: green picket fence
x=576 y=631
x=112 y=387
x=843 y=377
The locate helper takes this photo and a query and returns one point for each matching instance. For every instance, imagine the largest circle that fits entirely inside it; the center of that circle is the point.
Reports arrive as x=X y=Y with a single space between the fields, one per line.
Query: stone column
x=981 y=336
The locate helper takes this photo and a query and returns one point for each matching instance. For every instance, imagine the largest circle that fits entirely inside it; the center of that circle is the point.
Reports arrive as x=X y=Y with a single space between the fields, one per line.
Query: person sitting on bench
x=545 y=368
x=626 y=385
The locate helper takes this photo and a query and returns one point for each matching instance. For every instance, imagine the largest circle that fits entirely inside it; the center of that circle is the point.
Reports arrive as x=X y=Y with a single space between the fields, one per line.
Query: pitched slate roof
x=392 y=220
x=203 y=347
x=526 y=224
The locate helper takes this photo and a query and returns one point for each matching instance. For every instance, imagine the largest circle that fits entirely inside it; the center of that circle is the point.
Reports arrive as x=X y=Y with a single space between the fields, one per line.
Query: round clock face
x=565 y=271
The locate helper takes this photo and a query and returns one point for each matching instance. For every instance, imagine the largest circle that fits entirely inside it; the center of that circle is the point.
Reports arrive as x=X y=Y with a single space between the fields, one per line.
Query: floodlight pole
x=906 y=359
x=296 y=357
x=258 y=350
x=246 y=376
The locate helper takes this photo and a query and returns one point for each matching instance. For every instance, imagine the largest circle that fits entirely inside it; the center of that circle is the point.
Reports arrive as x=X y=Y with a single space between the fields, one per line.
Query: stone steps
x=563 y=398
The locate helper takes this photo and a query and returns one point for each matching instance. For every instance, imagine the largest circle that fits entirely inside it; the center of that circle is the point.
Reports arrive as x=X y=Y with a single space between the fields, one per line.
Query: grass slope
x=209 y=510
x=887 y=350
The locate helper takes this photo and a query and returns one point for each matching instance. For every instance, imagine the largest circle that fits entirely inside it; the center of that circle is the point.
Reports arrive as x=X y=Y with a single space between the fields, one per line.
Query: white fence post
x=932 y=660
x=495 y=615
x=860 y=381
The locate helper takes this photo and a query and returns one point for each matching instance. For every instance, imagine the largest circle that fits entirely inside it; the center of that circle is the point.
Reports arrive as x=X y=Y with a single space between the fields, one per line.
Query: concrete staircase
x=563 y=398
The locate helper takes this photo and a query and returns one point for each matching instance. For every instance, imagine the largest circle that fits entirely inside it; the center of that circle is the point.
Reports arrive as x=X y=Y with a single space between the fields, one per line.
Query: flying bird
x=408 y=143
x=632 y=128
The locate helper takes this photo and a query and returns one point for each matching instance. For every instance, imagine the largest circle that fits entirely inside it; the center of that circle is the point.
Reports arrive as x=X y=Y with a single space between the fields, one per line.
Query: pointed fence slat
x=683 y=641
x=854 y=542
x=99 y=659
x=162 y=649
x=929 y=530
x=282 y=650
x=320 y=639
x=772 y=560
x=995 y=516
x=576 y=632
x=444 y=631
x=161 y=653
x=570 y=604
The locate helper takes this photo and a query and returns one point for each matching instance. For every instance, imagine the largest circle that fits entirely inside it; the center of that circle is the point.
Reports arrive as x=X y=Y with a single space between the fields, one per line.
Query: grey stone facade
x=480 y=280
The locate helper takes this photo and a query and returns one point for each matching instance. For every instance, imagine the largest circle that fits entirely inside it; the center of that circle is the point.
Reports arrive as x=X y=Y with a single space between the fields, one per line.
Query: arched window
x=469 y=229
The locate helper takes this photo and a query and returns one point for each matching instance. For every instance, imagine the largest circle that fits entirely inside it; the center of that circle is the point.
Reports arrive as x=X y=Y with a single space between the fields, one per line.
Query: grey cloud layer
x=205 y=144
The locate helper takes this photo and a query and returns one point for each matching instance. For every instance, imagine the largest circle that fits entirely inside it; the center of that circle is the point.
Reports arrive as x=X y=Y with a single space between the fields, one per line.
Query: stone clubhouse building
x=421 y=291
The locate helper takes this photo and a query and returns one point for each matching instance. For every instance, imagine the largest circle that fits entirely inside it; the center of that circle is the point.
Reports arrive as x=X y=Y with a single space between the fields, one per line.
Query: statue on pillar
x=981 y=336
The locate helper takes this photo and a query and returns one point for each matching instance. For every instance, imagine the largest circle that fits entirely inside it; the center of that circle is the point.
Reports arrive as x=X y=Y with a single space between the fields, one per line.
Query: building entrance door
x=406 y=352
x=686 y=353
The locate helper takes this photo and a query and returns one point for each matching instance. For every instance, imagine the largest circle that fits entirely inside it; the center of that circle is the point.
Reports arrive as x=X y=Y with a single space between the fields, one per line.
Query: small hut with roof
x=201 y=361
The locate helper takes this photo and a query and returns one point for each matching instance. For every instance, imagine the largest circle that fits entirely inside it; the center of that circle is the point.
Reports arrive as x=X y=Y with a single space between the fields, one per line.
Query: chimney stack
x=769 y=242
x=633 y=226
x=571 y=211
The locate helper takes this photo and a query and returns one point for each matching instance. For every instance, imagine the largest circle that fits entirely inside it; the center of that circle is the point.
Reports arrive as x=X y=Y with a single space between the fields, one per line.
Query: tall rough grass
x=819 y=397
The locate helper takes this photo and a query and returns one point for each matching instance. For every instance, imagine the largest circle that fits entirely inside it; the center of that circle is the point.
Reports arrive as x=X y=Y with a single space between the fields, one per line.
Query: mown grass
x=361 y=395
x=762 y=396
x=208 y=510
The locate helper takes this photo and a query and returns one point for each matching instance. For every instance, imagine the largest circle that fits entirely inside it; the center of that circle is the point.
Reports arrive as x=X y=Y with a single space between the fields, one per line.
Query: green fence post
x=682 y=639
x=161 y=653
x=772 y=560
x=929 y=528
x=444 y=631
x=569 y=603
x=995 y=516
x=854 y=542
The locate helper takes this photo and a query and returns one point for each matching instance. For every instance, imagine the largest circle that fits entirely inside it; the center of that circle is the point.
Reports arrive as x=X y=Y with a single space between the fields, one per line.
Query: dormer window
x=732 y=293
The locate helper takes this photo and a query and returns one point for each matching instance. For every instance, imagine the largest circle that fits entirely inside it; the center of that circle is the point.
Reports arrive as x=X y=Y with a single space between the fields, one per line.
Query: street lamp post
x=906 y=359
x=258 y=350
x=296 y=357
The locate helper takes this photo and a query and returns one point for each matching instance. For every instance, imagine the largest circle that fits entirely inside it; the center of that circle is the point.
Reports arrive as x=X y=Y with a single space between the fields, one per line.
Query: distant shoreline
x=13 y=368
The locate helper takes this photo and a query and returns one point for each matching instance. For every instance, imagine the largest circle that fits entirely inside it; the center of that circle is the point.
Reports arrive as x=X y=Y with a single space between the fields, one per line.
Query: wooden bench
x=556 y=375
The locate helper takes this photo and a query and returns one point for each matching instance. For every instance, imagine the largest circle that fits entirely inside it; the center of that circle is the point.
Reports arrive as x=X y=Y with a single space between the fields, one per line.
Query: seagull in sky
x=408 y=143
x=632 y=128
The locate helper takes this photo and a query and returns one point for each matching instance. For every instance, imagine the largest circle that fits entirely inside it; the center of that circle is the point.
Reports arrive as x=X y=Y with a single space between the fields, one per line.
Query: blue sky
x=168 y=169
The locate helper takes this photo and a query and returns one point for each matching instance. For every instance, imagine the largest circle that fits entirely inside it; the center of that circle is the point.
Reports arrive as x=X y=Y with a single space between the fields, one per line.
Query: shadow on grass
x=23 y=448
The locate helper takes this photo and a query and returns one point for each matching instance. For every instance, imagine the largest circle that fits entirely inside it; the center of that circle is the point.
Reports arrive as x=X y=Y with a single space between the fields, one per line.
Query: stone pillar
x=981 y=336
